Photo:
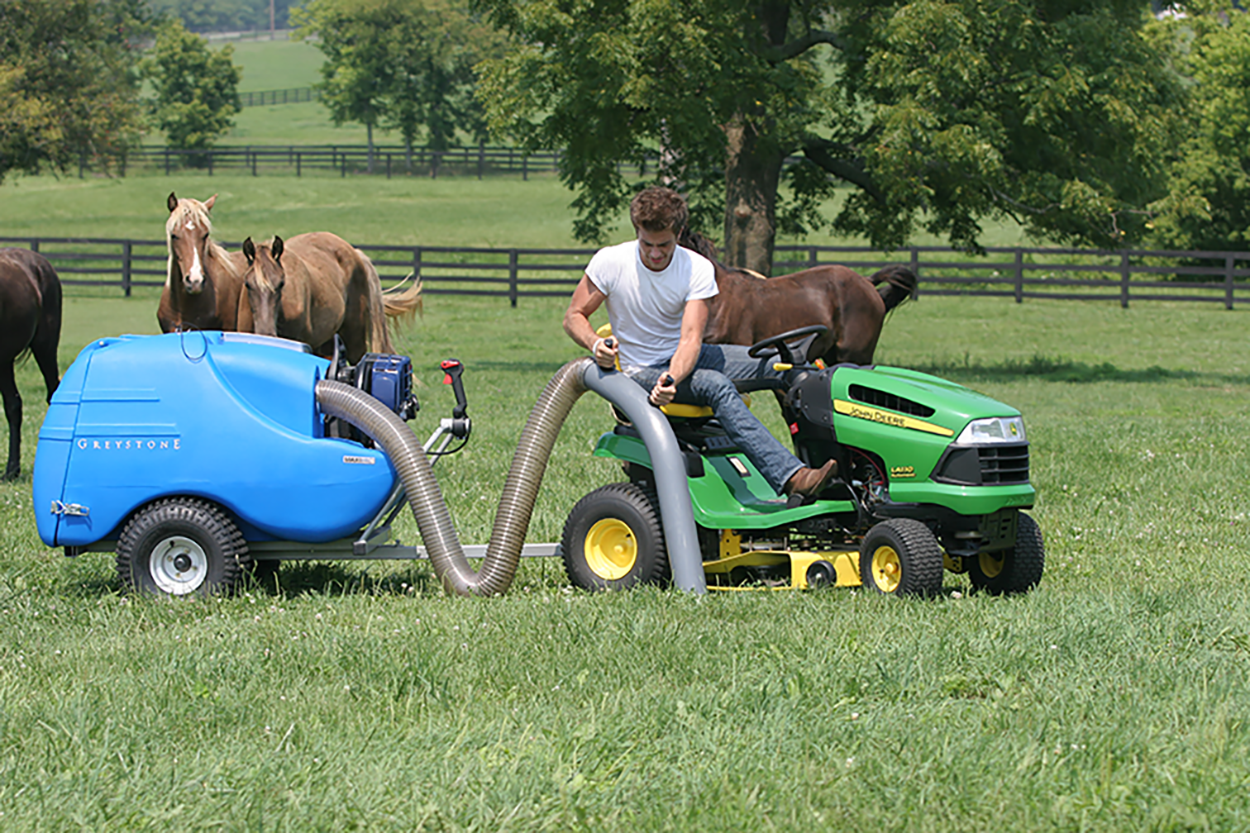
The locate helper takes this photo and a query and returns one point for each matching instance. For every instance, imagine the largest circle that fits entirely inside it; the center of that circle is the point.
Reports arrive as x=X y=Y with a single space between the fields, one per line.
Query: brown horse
x=203 y=281
x=30 y=323
x=311 y=287
x=749 y=308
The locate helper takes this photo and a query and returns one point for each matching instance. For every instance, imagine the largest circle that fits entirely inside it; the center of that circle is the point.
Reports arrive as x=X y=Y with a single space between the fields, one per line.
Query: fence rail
x=515 y=273
x=294 y=95
x=340 y=160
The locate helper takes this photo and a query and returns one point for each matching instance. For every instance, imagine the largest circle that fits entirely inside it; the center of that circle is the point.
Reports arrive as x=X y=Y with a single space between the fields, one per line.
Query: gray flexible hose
x=520 y=490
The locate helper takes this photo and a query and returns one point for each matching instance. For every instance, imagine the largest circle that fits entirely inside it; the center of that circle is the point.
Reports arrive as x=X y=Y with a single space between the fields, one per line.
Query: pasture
x=359 y=696
x=1113 y=697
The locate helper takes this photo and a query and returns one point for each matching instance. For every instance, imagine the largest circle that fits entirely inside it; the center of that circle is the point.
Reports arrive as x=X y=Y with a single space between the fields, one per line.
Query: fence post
x=512 y=276
x=388 y=165
x=254 y=155
x=210 y=162
x=1229 y=263
x=1124 y=276
x=1019 y=276
x=166 y=160
x=525 y=169
x=298 y=167
x=481 y=158
x=812 y=256
x=416 y=265
x=915 y=270
x=126 y=268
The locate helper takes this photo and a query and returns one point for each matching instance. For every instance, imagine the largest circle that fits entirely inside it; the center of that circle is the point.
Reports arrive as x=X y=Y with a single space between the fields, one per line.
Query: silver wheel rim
x=178 y=565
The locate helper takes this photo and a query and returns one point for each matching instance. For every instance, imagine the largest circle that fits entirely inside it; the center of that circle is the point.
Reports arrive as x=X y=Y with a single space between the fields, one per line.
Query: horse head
x=186 y=233
x=264 y=281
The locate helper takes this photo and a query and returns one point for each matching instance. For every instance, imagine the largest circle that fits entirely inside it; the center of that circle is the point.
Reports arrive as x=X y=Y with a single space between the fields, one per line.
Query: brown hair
x=659 y=209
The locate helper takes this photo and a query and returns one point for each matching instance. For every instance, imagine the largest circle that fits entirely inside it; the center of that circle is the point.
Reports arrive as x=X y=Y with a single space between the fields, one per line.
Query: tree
x=196 y=89
x=1208 y=205
x=939 y=114
x=68 y=90
x=401 y=64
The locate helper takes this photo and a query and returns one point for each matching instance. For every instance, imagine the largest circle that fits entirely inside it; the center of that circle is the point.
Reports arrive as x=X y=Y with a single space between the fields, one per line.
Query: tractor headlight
x=993 y=430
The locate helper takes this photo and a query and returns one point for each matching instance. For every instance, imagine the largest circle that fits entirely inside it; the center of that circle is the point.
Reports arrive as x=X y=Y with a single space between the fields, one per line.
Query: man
x=656 y=294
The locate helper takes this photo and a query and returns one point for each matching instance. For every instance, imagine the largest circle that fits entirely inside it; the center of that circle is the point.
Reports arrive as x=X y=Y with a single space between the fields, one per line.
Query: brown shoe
x=809 y=482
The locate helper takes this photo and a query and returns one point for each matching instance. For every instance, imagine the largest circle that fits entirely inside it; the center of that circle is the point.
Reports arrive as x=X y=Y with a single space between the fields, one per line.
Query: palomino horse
x=203 y=281
x=749 y=308
x=30 y=322
x=313 y=286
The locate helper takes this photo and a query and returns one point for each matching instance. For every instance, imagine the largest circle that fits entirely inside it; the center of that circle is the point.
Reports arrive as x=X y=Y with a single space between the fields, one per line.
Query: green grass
x=1111 y=698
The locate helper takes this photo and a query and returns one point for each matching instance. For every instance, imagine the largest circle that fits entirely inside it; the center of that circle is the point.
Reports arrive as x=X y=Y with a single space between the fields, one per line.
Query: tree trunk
x=752 y=172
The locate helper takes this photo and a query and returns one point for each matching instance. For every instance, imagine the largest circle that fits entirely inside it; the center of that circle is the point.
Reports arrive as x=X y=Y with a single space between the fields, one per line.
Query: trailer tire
x=1016 y=570
x=181 y=546
x=901 y=557
x=613 y=540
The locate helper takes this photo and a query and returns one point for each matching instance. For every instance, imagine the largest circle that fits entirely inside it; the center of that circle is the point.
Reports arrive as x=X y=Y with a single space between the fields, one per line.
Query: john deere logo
x=1015 y=432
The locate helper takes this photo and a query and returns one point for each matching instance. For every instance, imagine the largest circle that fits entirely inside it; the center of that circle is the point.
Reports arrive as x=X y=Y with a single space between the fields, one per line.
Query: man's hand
x=605 y=351
x=664 y=391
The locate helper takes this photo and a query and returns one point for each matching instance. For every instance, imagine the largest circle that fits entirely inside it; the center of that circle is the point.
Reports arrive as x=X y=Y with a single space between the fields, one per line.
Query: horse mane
x=703 y=245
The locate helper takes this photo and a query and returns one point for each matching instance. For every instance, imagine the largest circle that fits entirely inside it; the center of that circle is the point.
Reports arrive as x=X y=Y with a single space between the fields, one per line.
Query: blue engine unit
x=229 y=417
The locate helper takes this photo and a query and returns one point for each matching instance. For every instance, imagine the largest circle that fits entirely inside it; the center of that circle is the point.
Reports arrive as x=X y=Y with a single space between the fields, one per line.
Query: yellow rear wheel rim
x=990 y=565
x=887 y=568
x=611 y=549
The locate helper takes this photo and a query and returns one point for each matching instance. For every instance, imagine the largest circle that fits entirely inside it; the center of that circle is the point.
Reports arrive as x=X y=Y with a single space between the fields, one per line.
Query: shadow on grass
x=298 y=578
x=1064 y=370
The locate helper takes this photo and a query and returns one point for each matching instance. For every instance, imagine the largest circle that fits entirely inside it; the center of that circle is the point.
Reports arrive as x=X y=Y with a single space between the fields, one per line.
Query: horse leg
x=12 y=413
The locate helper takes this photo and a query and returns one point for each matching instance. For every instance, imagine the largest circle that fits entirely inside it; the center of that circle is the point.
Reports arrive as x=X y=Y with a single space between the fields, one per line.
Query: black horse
x=30 y=322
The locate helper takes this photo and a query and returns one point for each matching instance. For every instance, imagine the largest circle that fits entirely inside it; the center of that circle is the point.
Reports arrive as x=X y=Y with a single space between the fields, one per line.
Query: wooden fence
x=1017 y=273
x=293 y=95
x=341 y=160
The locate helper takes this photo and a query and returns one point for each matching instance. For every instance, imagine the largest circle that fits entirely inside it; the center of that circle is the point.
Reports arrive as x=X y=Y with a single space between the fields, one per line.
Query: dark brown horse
x=30 y=323
x=203 y=281
x=313 y=286
x=749 y=307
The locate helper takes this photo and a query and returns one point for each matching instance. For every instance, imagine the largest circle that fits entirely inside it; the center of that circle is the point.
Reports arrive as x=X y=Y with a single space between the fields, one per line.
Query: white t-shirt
x=646 y=307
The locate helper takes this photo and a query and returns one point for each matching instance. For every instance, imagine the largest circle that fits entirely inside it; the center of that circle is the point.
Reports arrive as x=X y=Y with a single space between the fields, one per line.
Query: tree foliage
x=1208 y=205
x=939 y=114
x=196 y=88
x=401 y=64
x=68 y=89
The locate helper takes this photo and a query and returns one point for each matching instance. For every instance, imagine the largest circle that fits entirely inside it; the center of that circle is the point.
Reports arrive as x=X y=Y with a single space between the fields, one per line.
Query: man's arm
x=586 y=299
x=693 y=321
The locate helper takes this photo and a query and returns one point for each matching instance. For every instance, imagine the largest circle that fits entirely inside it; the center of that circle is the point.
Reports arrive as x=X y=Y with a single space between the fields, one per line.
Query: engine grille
x=984 y=465
x=1004 y=463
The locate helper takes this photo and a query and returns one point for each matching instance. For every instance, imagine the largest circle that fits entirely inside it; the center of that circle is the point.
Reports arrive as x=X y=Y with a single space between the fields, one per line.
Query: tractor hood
x=938 y=442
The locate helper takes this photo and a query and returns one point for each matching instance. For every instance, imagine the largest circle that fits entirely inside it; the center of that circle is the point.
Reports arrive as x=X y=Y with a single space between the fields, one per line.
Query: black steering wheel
x=778 y=344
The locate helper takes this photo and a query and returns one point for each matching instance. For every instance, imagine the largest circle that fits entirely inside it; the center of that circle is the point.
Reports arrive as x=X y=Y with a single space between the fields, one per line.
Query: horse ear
x=172 y=202
x=208 y=203
x=249 y=250
x=276 y=248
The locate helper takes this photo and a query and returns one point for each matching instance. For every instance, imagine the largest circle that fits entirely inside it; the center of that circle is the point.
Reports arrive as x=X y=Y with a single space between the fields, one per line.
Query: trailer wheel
x=180 y=546
x=613 y=540
x=1016 y=570
x=901 y=557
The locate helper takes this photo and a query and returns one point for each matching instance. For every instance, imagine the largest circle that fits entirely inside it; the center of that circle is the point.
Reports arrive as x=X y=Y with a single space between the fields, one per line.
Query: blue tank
x=229 y=417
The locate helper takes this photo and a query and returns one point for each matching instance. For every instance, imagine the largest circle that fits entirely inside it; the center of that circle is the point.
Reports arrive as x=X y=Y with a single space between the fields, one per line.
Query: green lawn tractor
x=933 y=477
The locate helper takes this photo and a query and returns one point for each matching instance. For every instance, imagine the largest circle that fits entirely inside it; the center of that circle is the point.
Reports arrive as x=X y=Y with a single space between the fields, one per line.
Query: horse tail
x=379 y=335
x=404 y=305
x=895 y=284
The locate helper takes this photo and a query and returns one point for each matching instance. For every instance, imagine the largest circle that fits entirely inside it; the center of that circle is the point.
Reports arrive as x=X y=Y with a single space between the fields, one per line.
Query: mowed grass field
x=359 y=696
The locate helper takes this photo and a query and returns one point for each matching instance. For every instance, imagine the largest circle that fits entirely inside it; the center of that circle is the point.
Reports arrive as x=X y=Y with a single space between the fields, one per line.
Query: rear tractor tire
x=1015 y=570
x=901 y=557
x=613 y=540
x=181 y=546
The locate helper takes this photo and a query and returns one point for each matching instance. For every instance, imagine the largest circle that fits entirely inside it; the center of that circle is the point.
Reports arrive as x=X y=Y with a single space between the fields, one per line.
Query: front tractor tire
x=179 y=547
x=1015 y=570
x=901 y=557
x=613 y=540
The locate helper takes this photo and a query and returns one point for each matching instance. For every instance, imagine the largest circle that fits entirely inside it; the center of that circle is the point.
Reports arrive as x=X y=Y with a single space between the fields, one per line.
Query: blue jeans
x=711 y=384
